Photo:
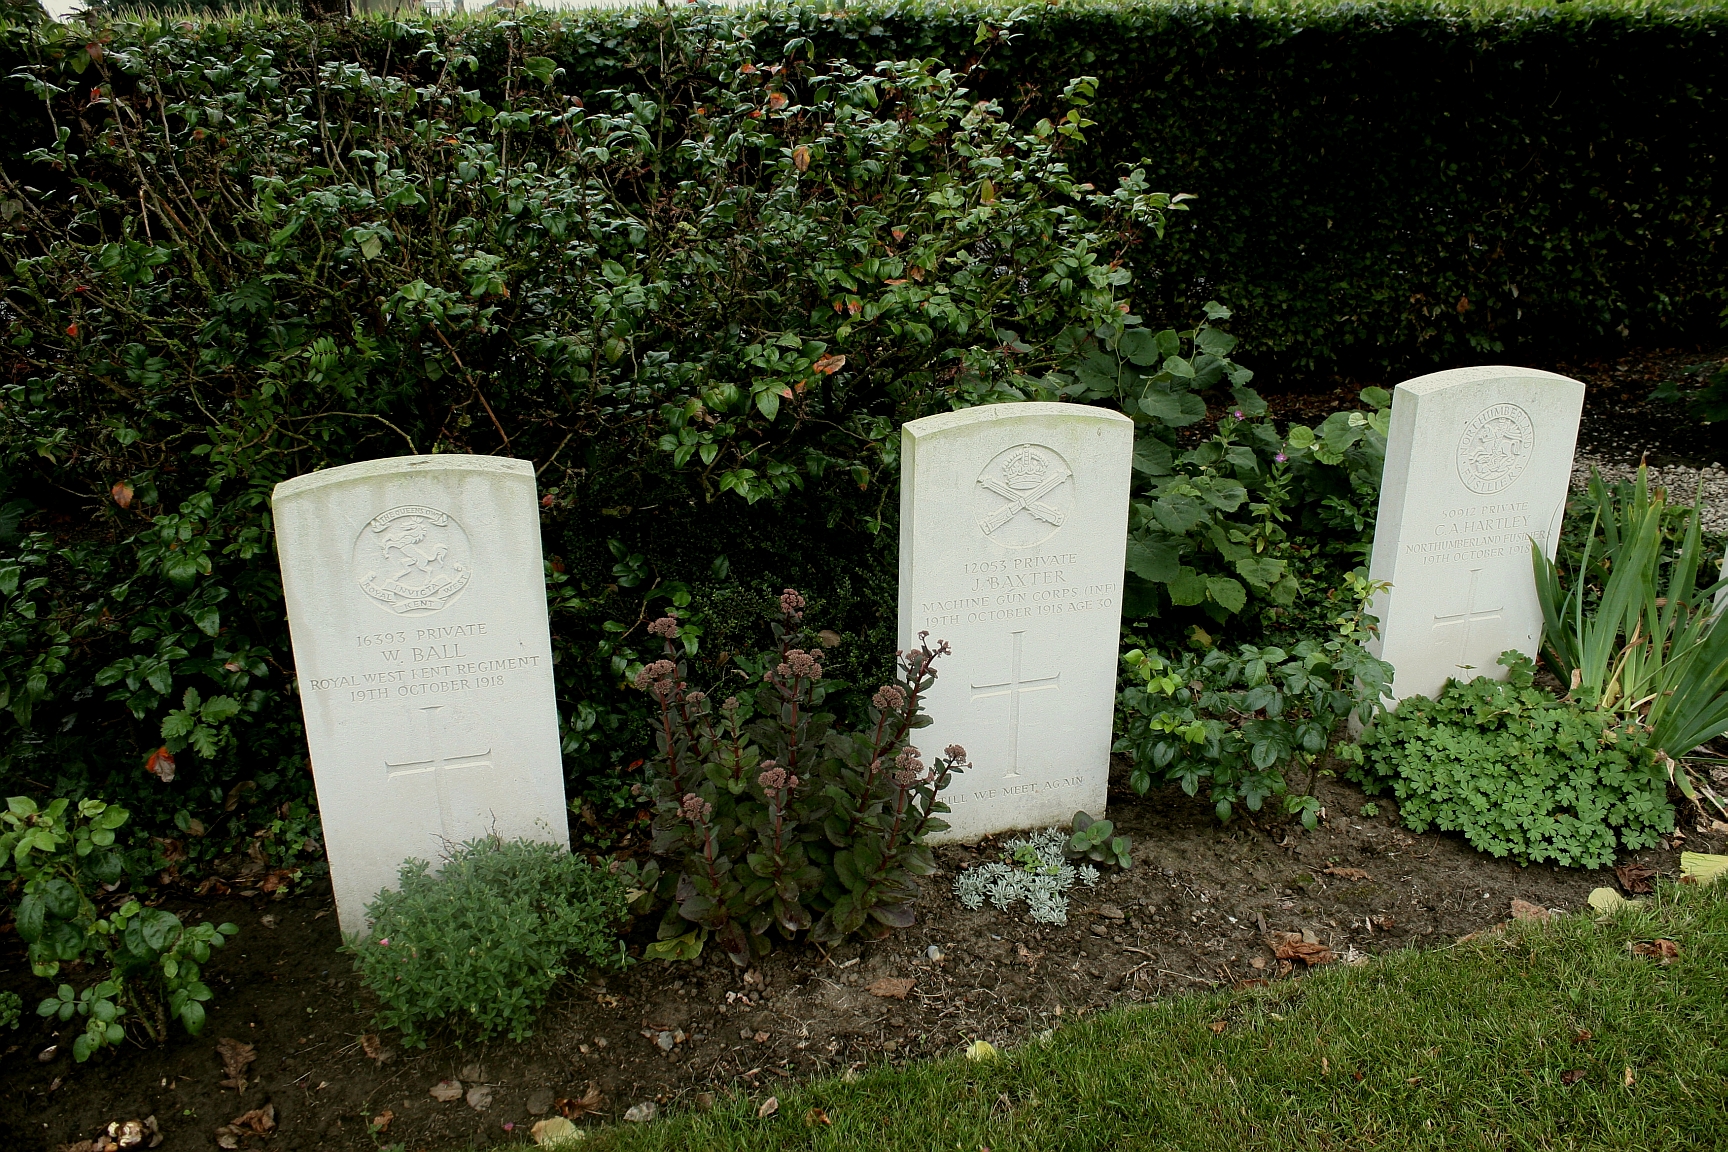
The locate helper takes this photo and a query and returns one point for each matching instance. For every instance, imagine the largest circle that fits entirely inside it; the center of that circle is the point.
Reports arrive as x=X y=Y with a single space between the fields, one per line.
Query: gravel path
x=1681 y=481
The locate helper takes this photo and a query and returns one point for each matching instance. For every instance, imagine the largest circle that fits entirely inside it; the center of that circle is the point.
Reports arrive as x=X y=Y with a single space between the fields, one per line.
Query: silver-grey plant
x=1034 y=869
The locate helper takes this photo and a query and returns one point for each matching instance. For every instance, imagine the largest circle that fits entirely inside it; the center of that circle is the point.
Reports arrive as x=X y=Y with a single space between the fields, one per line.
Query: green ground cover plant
x=1519 y=772
x=1542 y=1034
x=477 y=947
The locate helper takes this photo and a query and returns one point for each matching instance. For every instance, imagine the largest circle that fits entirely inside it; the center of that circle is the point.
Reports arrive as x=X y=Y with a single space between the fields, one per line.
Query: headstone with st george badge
x=1478 y=464
x=1013 y=523
x=417 y=608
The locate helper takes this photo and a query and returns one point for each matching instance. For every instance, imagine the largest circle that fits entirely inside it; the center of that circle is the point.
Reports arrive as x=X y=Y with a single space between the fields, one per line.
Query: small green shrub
x=1518 y=772
x=1238 y=720
x=1096 y=840
x=11 y=1009
x=480 y=944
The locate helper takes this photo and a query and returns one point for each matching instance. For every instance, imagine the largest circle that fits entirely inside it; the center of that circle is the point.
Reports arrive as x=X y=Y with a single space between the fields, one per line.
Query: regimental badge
x=412 y=560
x=1026 y=492
x=1495 y=448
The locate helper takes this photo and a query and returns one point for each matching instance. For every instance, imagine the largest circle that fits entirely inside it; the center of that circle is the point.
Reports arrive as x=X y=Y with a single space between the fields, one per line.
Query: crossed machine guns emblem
x=1027 y=478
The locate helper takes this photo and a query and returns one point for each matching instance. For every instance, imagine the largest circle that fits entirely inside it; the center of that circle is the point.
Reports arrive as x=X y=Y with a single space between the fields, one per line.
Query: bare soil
x=1198 y=910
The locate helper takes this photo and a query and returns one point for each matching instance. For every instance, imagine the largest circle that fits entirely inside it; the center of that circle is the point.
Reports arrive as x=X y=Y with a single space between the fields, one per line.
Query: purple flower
x=1238 y=414
x=1280 y=457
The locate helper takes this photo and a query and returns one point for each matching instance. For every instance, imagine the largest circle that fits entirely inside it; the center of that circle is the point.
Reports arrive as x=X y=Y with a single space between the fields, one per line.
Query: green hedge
x=702 y=302
x=1393 y=184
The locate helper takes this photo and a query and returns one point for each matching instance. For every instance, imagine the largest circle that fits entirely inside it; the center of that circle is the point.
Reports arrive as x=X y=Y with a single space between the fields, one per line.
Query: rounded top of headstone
x=398 y=466
x=1019 y=410
x=1483 y=374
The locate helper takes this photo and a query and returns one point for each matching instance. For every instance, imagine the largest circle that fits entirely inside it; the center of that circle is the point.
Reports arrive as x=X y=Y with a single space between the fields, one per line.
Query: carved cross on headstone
x=1463 y=620
x=440 y=763
x=1013 y=688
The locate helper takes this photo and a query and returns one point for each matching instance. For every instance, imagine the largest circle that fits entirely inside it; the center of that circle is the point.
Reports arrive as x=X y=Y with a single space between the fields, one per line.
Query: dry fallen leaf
x=1627 y=1079
x=445 y=1091
x=374 y=1048
x=1305 y=952
x=1030 y=957
x=480 y=1097
x=1636 y=878
x=761 y=1037
x=557 y=1130
x=768 y=1108
x=1607 y=901
x=1662 y=951
x=1572 y=1077
x=235 y=1058
x=801 y=158
x=1217 y=1025
x=1702 y=867
x=1524 y=910
x=816 y=1116
x=981 y=1050
x=577 y=1107
x=122 y=493
x=161 y=765
x=891 y=987
x=258 y=1122
x=1346 y=873
x=381 y=1122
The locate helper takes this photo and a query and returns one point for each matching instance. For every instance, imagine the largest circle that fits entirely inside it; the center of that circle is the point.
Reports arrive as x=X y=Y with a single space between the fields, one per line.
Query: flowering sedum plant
x=771 y=818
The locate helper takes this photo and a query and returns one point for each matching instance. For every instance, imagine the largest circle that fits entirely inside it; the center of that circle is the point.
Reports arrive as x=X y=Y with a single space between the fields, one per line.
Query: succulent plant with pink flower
x=741 y=790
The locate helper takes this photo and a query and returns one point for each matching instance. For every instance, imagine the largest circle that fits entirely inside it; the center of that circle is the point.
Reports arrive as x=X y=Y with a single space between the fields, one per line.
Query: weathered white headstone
x=1013 y=522
x=1478 y=461
x=417 y=607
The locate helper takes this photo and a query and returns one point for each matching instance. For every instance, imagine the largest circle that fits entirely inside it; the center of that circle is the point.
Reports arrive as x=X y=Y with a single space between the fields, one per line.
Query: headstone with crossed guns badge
x=417 y=607
x=1013 y=523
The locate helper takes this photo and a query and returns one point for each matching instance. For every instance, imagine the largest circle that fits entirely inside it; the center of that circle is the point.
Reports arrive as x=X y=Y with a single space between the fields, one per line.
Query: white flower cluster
x=1036 y=871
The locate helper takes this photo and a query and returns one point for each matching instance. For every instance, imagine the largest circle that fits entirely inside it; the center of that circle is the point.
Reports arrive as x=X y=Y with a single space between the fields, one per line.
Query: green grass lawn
x=1549 y=1036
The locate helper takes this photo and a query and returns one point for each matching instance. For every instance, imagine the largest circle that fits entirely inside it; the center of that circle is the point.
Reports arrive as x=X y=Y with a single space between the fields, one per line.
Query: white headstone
x=417 y=607
x=1478 y=463
x=1013 y=522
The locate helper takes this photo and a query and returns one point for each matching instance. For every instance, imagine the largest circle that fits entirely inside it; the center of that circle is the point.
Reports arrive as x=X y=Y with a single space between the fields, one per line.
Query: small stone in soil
x=540 y=1101
x=642 y=1113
